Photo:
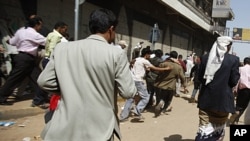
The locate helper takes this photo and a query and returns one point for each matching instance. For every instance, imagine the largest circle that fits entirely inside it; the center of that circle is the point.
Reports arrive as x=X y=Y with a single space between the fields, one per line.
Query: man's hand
x=175 y=60
x=168 y=68
x=2 y=50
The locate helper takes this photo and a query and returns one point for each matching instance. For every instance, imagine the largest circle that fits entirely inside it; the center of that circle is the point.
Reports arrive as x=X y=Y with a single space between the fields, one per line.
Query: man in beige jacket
x=87 y=73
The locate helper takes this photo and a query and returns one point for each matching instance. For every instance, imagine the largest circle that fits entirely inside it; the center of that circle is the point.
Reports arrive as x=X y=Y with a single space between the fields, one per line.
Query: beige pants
x=213 y=117
x=211 y=125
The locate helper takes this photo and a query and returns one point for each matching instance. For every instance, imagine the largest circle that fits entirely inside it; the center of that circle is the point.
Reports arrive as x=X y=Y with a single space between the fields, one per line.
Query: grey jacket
x=87 y=73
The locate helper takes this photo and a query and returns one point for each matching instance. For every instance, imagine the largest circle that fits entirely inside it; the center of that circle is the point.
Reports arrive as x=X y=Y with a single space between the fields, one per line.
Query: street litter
x=21 y=125
x=24 y=123
x=6 y=123
x=37 y=137
x=26 y=139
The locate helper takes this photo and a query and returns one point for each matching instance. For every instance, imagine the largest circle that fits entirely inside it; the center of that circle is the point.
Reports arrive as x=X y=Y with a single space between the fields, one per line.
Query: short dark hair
x=32 y=22
x=180 y=56
x=145 y=51
x=246 y=61
x=158 y=53
x=173 y=54
x=101 y=20
x=60 y=24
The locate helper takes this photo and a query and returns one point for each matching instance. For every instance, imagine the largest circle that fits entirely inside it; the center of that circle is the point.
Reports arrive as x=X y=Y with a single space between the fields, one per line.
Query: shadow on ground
x=136 y=120
x=176 y=137
x=18 y=98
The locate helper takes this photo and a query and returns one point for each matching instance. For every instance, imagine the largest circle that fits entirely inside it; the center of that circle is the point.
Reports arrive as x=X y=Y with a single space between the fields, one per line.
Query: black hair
x=246 y=61
x=173 y=54
x=145 y=51
x=180 y=56
x=101 y=20
x=158 y=53
x=60 y=24
x=32 y=22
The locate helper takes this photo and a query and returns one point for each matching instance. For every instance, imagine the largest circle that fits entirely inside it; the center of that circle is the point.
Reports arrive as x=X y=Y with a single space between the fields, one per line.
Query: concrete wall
x=134 y=24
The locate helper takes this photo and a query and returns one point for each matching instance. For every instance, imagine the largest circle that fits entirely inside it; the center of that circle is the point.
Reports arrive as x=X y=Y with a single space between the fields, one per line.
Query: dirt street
x=180 y=124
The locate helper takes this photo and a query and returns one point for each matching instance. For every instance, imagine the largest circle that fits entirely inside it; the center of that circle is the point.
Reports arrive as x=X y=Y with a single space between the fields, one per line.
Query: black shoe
x=136 y=116
x=6 y=103
x=42 y=106
x=139 y=117
x=158 y=108
x=192 y=100
x=177 y=95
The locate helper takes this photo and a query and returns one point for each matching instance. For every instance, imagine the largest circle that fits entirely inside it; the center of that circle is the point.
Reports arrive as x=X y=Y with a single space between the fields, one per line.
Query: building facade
x=186 y=26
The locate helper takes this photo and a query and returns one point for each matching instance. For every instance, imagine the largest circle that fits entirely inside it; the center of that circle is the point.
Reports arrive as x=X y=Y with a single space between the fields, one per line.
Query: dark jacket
x=217 y=95
x=152 y=74
x=195 y=73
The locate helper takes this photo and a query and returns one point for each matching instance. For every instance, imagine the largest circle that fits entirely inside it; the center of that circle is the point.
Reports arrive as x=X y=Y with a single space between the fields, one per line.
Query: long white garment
x=189 y=66
x=216 y=57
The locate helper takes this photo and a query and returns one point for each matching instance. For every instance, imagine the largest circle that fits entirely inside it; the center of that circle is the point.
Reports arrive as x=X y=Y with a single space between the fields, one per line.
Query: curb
x=19 y=113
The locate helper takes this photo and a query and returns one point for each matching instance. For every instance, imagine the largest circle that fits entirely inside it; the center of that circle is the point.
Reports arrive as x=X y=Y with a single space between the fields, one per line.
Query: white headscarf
x=216 y=57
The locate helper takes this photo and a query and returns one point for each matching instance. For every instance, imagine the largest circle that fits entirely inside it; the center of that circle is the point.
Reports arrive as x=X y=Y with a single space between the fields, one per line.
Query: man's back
x=167 y=79
x=87 y=71
x=219 y=90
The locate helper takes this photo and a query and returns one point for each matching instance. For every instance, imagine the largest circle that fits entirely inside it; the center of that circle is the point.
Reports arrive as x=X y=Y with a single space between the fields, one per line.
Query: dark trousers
x=242 y=100
x=165 y=95
x=23 y=67
x=45 y=62
x=151 y=91
x=40 y=96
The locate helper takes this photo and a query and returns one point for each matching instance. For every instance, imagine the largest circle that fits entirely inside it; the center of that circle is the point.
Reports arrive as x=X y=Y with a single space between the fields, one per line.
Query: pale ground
x=180 y=124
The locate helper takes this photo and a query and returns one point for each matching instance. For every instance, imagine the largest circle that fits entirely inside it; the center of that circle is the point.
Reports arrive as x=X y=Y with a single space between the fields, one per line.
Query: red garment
x=183 y=65
x=53 y=101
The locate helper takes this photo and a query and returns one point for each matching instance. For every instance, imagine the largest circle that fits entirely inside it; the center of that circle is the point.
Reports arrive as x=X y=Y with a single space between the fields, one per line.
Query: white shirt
x=139 y=68
x=27 y=40
x=118 y=46
x=64 y=39
x=244 y=81
x=189 y=66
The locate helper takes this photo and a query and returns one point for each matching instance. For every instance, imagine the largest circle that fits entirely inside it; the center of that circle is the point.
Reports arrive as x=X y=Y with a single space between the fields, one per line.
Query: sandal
x=42 y=106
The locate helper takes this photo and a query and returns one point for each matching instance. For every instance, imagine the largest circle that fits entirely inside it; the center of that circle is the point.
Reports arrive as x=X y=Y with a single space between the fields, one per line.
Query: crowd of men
x=81 y=89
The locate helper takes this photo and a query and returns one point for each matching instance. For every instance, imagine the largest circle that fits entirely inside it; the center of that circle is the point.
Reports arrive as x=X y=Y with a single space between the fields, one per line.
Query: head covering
x=123 y=42
x=216 y=57
x=139 y=45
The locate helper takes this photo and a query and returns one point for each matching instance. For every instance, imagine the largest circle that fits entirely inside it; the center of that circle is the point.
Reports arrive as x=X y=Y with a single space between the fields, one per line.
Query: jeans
x=196 y=88
x=142 y=91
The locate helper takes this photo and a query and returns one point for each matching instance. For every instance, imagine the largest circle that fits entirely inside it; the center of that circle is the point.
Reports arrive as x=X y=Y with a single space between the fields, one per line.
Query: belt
x=27 y=54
